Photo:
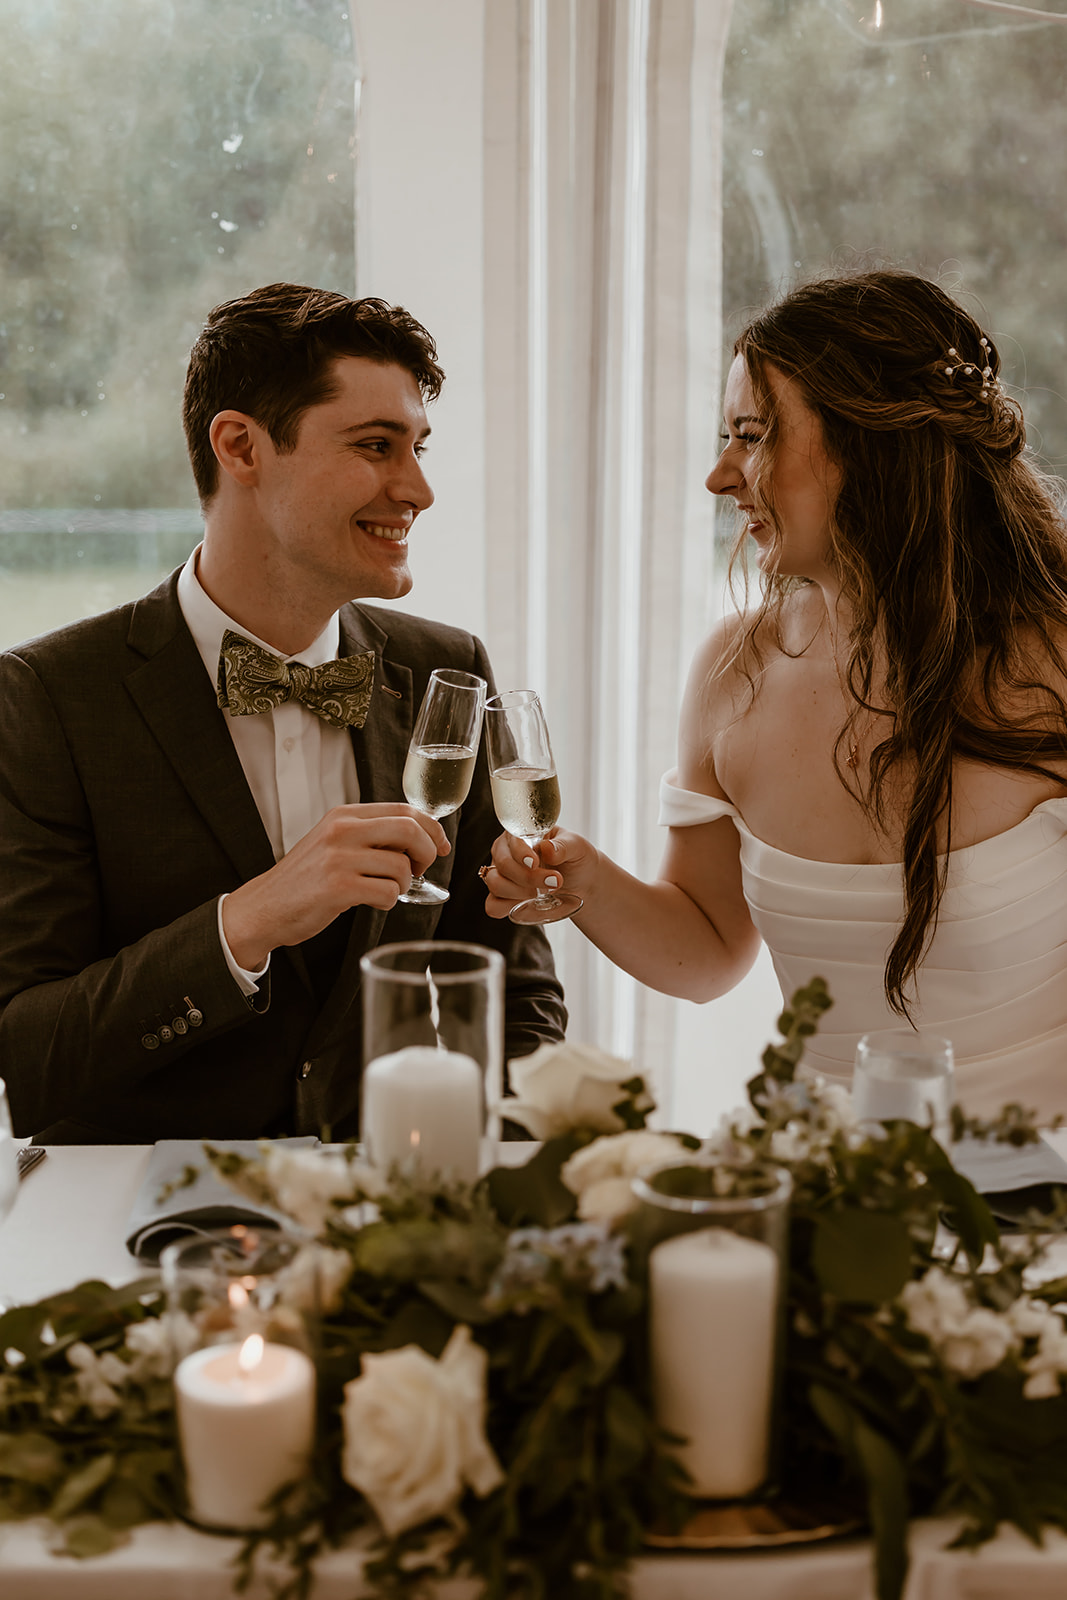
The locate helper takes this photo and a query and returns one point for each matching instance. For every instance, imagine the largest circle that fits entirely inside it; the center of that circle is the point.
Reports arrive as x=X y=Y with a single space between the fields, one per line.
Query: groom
x=200 y=835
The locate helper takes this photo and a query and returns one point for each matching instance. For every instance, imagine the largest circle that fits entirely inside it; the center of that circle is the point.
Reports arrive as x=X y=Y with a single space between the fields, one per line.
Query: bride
x=872 y=768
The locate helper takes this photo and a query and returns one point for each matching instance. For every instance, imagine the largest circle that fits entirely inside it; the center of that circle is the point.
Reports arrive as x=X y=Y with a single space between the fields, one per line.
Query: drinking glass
x=441 y=756
x=433 y=1049
x=718 y=1244
x=525 y=788
x=904 y=1075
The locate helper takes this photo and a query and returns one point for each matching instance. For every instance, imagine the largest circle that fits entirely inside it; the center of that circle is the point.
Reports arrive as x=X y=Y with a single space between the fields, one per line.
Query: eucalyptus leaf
x=418 y=1322
x=458 y=1300
x=969 y=1214
x=31 y=1457
x=883 y=1470
x=626 y=1432
x=81 y=1486
x=535 y=1194
x=861 y=1256
x=87 y=1535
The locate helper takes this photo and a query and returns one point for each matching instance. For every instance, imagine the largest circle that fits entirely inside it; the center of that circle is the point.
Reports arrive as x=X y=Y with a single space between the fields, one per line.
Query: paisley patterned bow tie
x=252 y=680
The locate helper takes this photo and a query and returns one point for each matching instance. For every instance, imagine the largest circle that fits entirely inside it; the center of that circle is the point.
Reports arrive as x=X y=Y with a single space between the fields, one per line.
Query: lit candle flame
x=250 y=1354
x=415 y=1138
x=238 y=1296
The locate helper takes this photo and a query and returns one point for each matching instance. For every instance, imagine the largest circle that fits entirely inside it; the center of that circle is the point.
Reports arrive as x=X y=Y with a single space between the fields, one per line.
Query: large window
x=157 y=157
x=927 y=134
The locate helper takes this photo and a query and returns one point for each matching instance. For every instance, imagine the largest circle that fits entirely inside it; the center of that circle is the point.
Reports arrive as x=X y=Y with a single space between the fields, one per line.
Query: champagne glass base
x=422 y=893
x=548 y=908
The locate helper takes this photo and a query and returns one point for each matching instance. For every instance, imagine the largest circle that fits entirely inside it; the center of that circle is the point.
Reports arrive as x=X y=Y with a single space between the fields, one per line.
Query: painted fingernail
x=552 y=883
x=528 y=861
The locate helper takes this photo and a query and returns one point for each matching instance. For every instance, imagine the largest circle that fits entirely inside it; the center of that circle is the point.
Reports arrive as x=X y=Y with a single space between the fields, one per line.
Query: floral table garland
x=504 y=1328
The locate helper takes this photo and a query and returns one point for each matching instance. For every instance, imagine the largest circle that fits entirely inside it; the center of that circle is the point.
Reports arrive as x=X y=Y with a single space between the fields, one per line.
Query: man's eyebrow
x=387 y=424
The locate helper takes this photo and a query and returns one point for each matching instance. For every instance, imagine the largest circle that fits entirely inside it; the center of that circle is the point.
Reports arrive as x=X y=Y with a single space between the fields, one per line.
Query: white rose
x=306 y=1182
x=566 y=1086
x=601 y=1173
x=415 y=1432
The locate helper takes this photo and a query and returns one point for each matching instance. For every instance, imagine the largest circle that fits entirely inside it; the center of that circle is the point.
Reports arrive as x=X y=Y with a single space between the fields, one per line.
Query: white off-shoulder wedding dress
x=994 y=979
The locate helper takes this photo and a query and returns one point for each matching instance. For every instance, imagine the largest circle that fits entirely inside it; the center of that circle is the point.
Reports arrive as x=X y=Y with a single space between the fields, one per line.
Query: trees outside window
x=156 y=157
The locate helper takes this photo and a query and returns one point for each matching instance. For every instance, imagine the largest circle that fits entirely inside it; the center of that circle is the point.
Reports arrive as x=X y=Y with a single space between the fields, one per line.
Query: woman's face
x=799 y=481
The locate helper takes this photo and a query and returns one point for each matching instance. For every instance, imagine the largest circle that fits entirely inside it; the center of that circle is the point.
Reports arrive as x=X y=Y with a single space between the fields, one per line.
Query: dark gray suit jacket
x=124 y=814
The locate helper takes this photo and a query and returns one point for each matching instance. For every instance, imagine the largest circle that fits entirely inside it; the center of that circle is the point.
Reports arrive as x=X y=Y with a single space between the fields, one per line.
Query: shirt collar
x=207 y=623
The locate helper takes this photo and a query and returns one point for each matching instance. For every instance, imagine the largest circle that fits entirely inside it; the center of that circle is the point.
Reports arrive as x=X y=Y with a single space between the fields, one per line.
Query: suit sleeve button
x=150 y=1041
x=166 y=1034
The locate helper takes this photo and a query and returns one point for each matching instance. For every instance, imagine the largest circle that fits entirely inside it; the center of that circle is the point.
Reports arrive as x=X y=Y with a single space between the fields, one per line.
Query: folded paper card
x=1017 y=1180
x=173 y=1203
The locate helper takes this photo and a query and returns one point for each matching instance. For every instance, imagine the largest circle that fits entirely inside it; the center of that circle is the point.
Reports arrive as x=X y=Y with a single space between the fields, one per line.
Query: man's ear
x=238 y=444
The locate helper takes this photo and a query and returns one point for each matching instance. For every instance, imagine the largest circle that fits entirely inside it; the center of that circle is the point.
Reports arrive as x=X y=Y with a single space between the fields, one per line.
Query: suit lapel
x=173 y=693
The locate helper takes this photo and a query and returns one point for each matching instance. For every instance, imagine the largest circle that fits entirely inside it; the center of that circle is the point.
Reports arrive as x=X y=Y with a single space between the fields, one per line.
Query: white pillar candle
x=244 y=1433
x=713 y=1301
x=424 y=1104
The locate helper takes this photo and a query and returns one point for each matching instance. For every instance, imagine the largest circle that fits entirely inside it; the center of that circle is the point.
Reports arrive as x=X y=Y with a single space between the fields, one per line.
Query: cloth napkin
x=1015 y=1179
x=195 y=1208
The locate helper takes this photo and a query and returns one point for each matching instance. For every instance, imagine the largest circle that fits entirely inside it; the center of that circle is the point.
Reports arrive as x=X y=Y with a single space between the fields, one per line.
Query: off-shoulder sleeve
x=684 y=808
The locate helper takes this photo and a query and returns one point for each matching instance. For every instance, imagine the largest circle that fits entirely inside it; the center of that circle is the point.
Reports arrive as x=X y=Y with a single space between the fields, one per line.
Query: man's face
x=336 y=511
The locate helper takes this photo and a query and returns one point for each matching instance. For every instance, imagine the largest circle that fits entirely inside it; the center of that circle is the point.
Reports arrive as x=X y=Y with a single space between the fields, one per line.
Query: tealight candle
x=424 y=1104
x=246 y=1421
x=713 y=1307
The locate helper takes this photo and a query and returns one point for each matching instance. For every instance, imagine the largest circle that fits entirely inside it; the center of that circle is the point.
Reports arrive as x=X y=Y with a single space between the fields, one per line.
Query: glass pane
x=924 y=134
x=157 y=157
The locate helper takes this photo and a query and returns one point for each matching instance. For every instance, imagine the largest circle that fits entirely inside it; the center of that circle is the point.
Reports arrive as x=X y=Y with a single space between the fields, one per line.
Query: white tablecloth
x=68 y=1224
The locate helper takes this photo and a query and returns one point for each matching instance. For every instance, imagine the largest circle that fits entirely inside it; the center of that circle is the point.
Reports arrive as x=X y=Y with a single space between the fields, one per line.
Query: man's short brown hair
x=270 y=355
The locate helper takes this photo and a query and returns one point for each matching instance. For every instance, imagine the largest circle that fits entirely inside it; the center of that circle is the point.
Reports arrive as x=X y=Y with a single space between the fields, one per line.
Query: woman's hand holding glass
x=526 y=798
x=519 y=871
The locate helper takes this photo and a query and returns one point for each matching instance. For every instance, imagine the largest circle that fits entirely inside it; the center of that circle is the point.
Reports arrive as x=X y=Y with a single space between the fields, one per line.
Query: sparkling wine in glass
x=441 y=756
x=525 y=789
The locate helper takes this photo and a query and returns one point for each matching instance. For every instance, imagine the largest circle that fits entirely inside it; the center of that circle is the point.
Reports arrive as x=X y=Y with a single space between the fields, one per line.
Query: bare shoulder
x=721 y=686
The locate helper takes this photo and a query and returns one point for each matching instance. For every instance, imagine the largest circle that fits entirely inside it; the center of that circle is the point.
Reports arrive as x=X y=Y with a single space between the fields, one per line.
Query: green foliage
x=845 y=143
x=58 y=1458
x=155 y=160
x=881 y=1414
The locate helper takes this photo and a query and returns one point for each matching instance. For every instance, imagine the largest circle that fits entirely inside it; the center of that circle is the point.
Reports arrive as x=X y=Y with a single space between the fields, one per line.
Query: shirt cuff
x=247 y=982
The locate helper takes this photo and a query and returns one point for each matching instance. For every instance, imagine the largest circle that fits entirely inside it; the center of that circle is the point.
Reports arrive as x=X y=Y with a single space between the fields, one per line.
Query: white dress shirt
x=297 y=766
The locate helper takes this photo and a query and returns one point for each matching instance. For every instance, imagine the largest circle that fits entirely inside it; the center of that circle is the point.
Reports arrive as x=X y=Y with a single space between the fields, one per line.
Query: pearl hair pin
x=969 y=368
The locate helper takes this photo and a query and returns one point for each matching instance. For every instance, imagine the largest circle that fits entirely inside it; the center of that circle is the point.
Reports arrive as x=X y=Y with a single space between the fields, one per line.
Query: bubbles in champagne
x=437 y=777
x=526 y=800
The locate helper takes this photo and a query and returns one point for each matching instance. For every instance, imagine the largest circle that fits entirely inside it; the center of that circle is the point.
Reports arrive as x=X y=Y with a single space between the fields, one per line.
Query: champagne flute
x=525 y=788
x=440 y=760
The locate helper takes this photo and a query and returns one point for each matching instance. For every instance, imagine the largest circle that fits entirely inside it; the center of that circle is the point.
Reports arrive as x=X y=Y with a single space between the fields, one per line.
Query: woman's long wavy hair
x=950 y=546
